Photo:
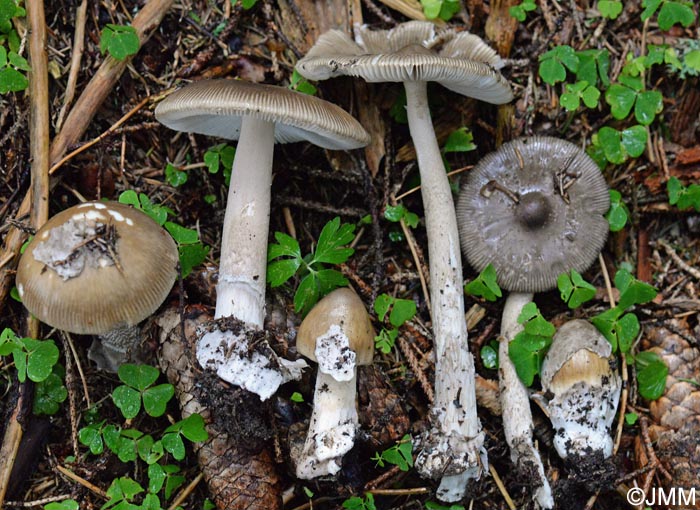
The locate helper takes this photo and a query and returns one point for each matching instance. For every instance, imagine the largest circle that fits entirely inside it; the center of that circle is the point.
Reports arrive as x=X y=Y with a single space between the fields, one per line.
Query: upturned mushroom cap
x=97 y=266
x=413 y=51
x=217 y=108
x=534 y=209
x=340 y=314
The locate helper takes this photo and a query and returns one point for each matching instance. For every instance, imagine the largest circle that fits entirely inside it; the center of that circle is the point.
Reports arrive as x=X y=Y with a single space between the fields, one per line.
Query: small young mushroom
x=98 y=268
x=415 y=53
x=534 y=209
x=585 y=388
x=338 y=335
x=257 y=116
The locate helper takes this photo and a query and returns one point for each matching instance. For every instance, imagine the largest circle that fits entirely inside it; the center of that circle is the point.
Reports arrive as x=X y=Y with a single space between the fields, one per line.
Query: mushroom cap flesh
x=534 y=209
x=413 y=51
x=217 y=108
x=95 y=267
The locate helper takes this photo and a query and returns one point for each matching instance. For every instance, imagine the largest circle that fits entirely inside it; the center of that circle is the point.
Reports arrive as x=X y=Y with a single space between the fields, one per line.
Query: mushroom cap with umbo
x=338 y=328
x=413 y=51
x=534 y=209
x=217 y=107
x=95 y=267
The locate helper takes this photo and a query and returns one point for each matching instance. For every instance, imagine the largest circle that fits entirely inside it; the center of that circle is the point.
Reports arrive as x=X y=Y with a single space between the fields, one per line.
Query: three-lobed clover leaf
x=396 y=213
x=555 y=62
x=520 y=10
x=442 y=9
x=33 y=359
x=618 y=214
x=220 y=156
x=485 y=285
x=616 y=324
x=671 y=12
x=617 y=146
x=400 y=455
x=459 y=140
x=610 y=9
x=528 y=348
x=681 y=196
x=651 y=374
x=120 y=41
x=50 y=392
x=577 y=92
x=138 y=388
x=630 y=93
x=191 y=251
x=594 y=67
x=300 y=84
x=574 y=289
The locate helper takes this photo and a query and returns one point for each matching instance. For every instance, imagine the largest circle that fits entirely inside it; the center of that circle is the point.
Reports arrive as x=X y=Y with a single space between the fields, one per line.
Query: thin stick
x=39 y=121
x=82 y=481
x=76 y=55
x=678 y=260
x=501 y=487
x=186 y=492
x=38 y=502
x=623 y=395
x=449 y=174
x=101 y=137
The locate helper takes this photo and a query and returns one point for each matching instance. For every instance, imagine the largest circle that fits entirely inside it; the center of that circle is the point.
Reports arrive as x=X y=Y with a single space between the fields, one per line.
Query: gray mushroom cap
x=217 y=108
x=556 y=225
x=413 y=51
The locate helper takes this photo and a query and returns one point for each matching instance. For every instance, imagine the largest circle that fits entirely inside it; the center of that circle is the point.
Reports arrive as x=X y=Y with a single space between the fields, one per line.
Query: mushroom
x=338 y=335
x=534 y=209
x=98 y=268
x=257 y=116
x=415 y=53
x=584 y=389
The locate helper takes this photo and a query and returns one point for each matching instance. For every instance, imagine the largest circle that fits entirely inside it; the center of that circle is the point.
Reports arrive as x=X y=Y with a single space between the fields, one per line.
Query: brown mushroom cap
x=95 y=267
x=556 y=225
x=344 y=309
x=217 y=108
x=413 y=51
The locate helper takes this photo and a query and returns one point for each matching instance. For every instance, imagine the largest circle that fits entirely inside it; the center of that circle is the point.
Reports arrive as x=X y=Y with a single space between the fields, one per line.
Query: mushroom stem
x=241 y=289
x=453 y=447
x=515 y=402
x=331 y=429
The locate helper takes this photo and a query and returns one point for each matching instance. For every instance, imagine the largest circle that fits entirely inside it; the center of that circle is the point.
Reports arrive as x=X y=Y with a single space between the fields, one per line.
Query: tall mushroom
x=338 y=335
x=534 y=209
x=98 y=268
x=257 y=116
x=415 y=53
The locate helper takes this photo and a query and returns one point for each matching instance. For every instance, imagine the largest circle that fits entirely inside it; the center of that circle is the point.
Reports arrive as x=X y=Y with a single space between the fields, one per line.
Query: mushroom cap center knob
x=533 y=210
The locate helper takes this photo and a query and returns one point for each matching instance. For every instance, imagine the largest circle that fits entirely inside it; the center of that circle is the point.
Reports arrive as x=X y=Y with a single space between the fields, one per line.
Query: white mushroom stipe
x=331 y=428
x=515 y=402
